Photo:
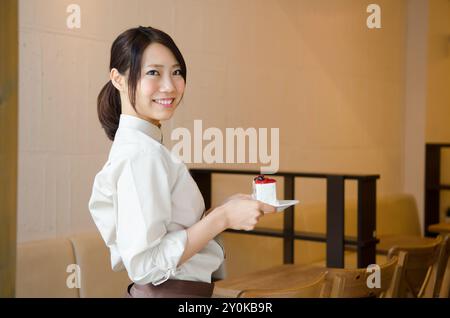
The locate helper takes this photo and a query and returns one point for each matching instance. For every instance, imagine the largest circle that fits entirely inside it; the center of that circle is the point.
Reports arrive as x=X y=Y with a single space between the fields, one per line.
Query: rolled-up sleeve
x=148 y=252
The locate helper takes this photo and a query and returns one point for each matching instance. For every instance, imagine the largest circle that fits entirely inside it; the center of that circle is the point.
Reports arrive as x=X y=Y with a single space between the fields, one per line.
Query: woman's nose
x=167 y=85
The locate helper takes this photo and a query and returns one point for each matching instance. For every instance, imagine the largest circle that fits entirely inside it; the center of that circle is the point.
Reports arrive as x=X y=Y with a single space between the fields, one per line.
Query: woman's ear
x=117 y=79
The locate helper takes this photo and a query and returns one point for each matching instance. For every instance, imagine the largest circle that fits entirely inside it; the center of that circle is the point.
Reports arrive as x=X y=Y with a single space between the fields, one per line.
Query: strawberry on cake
x=265 y=189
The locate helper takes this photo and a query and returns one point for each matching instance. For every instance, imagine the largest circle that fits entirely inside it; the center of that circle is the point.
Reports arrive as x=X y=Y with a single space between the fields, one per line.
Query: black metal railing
x=335 y=240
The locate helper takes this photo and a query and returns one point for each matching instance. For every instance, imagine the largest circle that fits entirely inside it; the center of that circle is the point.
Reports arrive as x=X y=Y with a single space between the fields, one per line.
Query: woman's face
x=161 y=86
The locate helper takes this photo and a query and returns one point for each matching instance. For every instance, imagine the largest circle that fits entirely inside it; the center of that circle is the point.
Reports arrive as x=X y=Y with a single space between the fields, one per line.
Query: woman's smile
x=164 y=102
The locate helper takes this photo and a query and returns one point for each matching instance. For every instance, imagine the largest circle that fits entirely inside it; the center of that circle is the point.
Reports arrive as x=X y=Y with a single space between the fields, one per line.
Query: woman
x=144 y=202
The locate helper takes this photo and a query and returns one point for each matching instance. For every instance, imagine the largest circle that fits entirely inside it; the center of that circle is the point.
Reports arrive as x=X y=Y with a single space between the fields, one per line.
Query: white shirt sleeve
x=148 y=252
x=101 y=205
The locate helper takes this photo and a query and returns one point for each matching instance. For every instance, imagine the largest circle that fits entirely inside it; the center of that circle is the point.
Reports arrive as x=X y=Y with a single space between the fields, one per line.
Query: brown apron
x=171 y=288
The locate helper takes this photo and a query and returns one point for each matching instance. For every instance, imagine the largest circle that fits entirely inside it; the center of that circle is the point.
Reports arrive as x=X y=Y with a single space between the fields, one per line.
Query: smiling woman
x=147 y=207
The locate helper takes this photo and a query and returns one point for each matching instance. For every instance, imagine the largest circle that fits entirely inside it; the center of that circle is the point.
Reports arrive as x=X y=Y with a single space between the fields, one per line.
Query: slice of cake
x=265 y=189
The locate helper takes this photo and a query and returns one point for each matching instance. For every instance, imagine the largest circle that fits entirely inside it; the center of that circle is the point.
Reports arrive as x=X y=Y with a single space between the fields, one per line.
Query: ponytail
x=109 y=109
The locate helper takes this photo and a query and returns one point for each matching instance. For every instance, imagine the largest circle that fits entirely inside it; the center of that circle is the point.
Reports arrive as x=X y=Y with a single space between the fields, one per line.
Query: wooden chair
x=393 y=290
x=445 y=287
x=313 y=289
x=418 y=269
x=433 y=280
x=354 y=283
x=443 y=273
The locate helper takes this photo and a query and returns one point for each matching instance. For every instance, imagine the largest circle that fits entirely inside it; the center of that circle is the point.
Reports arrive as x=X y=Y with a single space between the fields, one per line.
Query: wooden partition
x=8 y=143
x=334 y=237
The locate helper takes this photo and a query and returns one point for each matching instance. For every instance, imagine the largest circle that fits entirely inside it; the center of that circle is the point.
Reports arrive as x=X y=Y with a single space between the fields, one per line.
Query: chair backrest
x=44 y=268
x=361 y=282
x=313 y=289
x=97 y=278
x=418 y=268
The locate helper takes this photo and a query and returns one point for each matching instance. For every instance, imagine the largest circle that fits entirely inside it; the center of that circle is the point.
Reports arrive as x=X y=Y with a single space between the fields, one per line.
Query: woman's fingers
x=267 y=208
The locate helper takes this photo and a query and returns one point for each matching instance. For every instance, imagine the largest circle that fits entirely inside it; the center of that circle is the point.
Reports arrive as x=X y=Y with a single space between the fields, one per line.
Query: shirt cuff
x=174 y=243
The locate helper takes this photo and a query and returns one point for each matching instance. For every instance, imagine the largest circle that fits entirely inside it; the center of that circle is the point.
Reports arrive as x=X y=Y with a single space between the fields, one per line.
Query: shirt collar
x=133 y=122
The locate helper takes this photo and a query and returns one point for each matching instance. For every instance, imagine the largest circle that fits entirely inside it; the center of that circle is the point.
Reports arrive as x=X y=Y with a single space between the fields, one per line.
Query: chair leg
x=426 y=290
x=445 y=286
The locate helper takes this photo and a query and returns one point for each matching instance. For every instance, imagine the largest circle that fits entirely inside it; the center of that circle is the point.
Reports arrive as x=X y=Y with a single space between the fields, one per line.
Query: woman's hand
x=241 y=212
x=242 y=196
x=234 y=196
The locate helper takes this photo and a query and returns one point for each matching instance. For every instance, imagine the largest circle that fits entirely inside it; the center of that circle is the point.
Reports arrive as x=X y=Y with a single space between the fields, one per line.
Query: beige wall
x=334 y=88
x=438 y=99
x=416 y=101
x=438 y=92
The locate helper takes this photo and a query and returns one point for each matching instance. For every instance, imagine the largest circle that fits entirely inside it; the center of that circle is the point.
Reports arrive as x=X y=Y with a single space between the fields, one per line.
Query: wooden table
x=282 y=276
x=443 y=228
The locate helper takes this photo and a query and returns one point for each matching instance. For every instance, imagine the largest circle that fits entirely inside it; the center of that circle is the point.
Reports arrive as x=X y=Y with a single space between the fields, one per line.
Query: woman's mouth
x=164 y=102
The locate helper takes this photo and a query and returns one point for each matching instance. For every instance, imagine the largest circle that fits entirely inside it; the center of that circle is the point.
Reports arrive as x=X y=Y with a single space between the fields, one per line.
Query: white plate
x=283 y=204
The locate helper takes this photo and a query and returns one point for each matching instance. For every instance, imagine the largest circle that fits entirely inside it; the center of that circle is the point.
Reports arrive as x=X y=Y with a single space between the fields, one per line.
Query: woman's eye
x=177 y=72
x=152 y=72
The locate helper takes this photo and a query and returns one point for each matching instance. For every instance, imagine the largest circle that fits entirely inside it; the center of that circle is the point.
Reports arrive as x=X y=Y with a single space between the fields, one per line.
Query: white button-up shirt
x=142 y=201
